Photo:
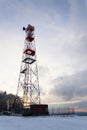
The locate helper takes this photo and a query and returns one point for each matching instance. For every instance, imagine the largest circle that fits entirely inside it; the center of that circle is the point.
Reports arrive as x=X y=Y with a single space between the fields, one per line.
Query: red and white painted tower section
x=28 y=84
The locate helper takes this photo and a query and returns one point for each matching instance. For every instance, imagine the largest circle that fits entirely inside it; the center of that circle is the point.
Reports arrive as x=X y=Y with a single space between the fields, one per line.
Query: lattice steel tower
x=28 y=83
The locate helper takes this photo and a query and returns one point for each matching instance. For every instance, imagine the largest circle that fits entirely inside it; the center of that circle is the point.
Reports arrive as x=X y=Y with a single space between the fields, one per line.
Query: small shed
x=39 y=109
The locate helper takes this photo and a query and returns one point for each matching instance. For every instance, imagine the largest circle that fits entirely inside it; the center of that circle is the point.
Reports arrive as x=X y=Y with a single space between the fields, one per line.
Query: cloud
x=77 y=48
x=71 y=87
x=61 y=35
x=78 y=15
x=81 y=104
x=44 y=79
x=43 y=71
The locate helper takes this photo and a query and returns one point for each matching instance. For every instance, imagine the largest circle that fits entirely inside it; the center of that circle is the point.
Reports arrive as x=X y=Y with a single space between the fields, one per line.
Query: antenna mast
x=28 y=83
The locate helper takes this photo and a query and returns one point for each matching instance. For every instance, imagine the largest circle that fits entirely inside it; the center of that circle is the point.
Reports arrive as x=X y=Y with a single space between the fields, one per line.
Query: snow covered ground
x=43 y=123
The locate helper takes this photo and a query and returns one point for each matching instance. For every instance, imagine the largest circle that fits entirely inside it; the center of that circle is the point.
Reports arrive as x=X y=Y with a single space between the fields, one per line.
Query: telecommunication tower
x=28 y=82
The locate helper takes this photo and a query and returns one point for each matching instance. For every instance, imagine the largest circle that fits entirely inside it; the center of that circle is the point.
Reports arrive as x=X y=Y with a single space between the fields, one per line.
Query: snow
x=43 y=123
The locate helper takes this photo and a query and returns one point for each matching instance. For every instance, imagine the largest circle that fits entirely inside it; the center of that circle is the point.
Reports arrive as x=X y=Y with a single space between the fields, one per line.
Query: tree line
x=10 y=102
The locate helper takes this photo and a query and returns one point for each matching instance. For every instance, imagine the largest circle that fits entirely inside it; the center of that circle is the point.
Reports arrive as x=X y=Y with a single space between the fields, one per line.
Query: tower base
x=36 y=110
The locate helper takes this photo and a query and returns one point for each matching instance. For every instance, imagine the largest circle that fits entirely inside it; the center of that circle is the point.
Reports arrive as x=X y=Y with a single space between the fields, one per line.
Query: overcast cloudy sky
x=61 y=41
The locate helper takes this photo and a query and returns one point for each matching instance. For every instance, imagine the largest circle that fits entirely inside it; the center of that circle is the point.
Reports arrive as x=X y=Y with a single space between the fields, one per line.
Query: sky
x=61 y=42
